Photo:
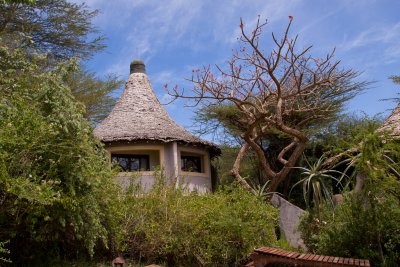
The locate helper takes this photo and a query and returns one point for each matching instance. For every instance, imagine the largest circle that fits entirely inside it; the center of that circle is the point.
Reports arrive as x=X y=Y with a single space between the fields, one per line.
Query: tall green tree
x=97 y=94
x=56 y=31
x=55 y=28
x=56 y=187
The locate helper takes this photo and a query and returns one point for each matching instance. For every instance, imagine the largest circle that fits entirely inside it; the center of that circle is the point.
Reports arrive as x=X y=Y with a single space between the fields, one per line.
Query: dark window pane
x=131 y=162
x=135 y=164
x=191 y=163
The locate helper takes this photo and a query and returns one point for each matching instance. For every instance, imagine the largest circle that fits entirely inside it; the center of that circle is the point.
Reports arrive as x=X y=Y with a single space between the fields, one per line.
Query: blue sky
x=173 y=37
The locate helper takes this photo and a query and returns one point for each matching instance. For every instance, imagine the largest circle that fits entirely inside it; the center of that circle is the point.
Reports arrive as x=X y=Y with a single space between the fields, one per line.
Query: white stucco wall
x=195 y=181
x=168 y=163
x=125 y=180
x=167 y=156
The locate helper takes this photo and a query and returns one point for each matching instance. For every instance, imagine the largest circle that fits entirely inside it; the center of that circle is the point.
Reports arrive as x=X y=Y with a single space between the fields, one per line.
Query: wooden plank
x=285 y=253
x=274 y=251
x=341 y=260
x=294 y=255
x=309 y=256
x=330 y=259
x=326 y=258
x=291 y=255
x=314 y=257
x=336 y=259
x=301 y=256
x=357 y=262
x=266 y=250
x=263 y=250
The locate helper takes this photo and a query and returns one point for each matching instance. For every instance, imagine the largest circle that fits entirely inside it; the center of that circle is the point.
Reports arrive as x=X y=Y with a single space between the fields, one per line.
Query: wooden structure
x=268 y=257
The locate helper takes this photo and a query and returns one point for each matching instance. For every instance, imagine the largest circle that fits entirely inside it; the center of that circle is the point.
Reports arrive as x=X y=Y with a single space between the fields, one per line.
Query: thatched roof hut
x=139 y=116
x=141 y=136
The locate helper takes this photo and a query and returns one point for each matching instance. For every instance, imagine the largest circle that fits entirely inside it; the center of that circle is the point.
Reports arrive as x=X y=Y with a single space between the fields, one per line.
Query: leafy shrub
x=4 y=252
x=358 y=228
x=56 y=187
x=367 y=223
x=170 y=225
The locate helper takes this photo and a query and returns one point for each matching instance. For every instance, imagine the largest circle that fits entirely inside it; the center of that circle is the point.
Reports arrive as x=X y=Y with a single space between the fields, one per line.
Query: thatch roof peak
x=137 y=66
x=139 y=116
x=392 y=123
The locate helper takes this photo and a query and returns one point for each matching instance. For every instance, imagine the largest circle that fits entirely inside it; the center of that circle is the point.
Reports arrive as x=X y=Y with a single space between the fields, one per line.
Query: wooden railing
x=268 y=257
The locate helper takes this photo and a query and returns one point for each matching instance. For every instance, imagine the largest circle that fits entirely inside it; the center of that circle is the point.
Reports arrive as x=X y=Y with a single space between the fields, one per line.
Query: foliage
x=344 y=133
x=95 y=93
x=357 y=228
x=18 y=1
x=317 y=183
x=57 y=194
x=366 y=224
x=168 y=224
x=280 y=91
x=56 y=28
x=54 y=31
x=4 y=251
x=248 y=168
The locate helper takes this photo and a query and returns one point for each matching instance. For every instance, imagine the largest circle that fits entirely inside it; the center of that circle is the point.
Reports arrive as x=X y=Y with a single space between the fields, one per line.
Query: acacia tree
x=94 y=92
x=50 y=31
x=56 y=28
x=280 y=91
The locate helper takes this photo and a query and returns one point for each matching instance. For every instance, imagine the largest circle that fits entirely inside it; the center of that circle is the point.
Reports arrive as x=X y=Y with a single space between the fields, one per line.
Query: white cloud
x=389 y=34
x=162 y=77
x=381 y=42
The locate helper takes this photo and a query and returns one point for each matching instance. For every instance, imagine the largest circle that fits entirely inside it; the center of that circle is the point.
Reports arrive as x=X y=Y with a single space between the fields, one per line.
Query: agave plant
x=261 y=191
x=315 y=182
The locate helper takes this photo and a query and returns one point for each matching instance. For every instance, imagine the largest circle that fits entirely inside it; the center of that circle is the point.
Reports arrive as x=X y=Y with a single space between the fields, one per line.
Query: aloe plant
x=315 y=182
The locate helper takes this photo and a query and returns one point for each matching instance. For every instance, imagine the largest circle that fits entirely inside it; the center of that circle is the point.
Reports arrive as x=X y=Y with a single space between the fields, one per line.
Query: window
x=129 y=163
x=191 y=163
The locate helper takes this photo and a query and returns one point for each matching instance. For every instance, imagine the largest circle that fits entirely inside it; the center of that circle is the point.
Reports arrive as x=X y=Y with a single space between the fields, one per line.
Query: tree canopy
x=97 y=94
x=56 y=28
x=54 y=31
x=282 y=91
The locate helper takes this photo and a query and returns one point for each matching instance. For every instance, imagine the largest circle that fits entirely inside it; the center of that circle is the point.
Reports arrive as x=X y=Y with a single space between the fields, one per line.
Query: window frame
x=132 y=156
x=199 y=164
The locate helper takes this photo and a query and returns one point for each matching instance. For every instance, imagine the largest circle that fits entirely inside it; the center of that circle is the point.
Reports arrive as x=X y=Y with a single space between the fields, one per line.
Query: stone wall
x=289 y=219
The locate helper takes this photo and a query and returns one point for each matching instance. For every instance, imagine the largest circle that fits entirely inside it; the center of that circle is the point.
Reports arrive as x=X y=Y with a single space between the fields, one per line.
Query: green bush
x=358 y=228
x=367 y=223
x=56 y=187
x=172 y=226
x=4 y=252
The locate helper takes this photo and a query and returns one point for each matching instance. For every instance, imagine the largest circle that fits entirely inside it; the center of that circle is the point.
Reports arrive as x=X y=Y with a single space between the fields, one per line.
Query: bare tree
x=283 y=90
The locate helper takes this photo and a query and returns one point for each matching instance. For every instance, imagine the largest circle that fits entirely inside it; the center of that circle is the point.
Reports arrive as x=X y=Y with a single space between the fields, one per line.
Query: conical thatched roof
x=139 y=116
x=392 y=123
